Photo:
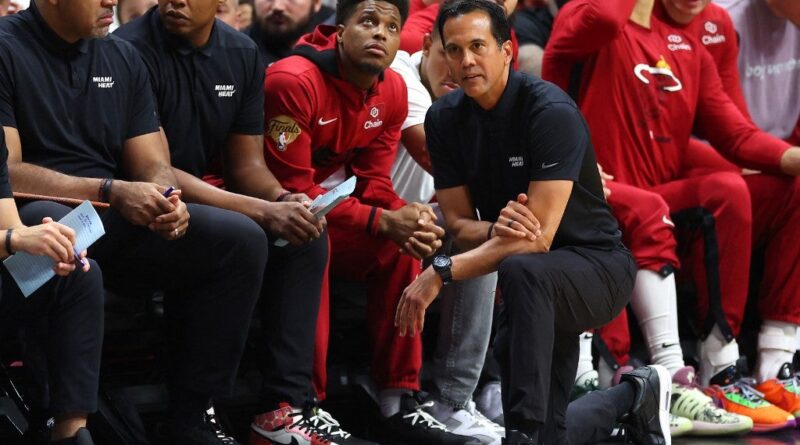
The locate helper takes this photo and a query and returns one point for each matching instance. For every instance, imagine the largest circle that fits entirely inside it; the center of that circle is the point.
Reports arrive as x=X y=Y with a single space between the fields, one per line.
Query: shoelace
x=696 y=401
x=211 y=420
x=305 y=425
x=747 y=391
x=325 y=422
x=421 y=416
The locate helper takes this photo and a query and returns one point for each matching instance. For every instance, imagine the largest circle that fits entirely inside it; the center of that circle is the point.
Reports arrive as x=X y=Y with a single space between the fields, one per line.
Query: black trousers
x=289 y=309
x=211 y=278
x=548 y=300
x=62 y=329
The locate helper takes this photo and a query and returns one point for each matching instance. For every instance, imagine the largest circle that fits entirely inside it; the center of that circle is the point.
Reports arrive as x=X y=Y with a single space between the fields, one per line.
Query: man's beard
x=285 y=38
x=370 y=68
x=100 y=32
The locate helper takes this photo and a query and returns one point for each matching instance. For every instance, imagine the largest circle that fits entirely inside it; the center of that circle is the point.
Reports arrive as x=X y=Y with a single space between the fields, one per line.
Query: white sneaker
x=490 y=402
x=471 y=423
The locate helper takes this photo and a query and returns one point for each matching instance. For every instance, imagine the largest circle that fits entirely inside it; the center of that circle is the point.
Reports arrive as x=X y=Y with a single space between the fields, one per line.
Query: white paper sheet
x=31 y=271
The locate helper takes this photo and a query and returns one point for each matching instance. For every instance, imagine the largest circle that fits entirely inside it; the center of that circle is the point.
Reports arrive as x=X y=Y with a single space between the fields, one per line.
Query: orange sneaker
x=734 y=395
x=782 y=391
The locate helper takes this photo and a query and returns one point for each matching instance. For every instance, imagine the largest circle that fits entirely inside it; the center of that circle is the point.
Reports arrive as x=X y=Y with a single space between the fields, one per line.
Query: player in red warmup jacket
x=332 y=111
x=652 y=86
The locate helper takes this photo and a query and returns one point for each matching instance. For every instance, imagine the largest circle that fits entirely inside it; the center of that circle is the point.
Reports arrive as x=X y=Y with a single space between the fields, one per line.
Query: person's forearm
x=256 y=182
x=160 y=174
x=469 y=234
x=30 y=178
x=9 y=216
x=487 y=257
x=194 y=189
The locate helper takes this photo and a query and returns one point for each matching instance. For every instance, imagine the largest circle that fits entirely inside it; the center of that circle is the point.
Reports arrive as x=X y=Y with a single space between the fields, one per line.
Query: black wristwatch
x=441 y=264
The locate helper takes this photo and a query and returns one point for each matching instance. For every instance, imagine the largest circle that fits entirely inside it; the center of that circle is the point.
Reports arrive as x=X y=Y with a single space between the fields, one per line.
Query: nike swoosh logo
x=667 y=221
x=546 y=166
x=324 y=122
x=667 y=345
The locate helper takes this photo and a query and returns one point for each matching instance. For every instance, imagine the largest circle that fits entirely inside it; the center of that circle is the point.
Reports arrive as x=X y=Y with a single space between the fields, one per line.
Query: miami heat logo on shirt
x=283 y=130
x=662 y=72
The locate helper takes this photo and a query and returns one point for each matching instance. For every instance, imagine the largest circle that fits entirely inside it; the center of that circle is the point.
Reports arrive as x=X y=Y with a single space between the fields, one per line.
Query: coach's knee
x=32 y=213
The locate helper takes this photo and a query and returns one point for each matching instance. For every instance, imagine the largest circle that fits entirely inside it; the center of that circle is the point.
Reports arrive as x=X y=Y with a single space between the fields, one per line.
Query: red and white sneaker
x=295 y=426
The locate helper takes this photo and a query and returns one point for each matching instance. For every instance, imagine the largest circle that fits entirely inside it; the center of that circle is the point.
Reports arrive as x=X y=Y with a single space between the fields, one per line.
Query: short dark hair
x=346 y=8
x=501 y=29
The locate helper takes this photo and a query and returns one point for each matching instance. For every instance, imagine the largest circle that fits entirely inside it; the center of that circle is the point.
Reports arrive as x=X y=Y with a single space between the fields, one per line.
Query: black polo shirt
x=534 y=133
x=73 y=104
x=203 y=94
x=5 y=187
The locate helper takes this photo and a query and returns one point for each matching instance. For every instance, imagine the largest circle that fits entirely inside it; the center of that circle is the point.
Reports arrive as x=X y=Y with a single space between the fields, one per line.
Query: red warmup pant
x=358 y=256
x=743 y=212
x=648 y=232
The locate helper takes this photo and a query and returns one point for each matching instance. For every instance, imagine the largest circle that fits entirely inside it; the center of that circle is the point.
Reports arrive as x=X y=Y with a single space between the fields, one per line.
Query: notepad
x=32 y=271
x=328 y=201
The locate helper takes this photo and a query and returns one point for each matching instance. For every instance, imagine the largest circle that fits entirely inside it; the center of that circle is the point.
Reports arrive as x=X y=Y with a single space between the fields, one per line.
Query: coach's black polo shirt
x=534 y=133
x=73 y=104
x=203 y=94
x=5 y=187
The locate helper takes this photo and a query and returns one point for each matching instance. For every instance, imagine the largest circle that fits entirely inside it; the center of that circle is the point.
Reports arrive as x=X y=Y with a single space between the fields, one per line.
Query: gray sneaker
x=471 y=423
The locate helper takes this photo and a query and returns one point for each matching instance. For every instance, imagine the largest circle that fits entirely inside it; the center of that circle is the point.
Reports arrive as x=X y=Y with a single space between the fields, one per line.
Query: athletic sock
x=389 y=400
x=585 y=358
x=654 y=302
x=775 y=347
x=716 y=354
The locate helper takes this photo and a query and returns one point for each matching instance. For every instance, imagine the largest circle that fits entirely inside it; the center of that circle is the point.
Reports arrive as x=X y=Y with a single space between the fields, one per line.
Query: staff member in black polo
x=63 y=320
x=88 y=129
x=502 y=138
x=208 y=81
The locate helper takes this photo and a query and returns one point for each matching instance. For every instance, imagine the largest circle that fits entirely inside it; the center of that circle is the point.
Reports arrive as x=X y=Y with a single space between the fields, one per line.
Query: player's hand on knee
x=173 y=224
x=604 y=179
x=425 y=241
x=139 y=202
x=51 y=239
x=399 y=225
x=292 y=221
x=410 y=315
x=517 y=221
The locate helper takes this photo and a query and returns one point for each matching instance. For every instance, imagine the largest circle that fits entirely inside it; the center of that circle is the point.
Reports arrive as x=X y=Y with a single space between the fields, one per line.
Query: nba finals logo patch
x=283 y=130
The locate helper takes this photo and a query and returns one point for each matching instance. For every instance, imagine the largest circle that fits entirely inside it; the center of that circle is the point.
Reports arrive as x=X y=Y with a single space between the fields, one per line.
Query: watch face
x=441 y=261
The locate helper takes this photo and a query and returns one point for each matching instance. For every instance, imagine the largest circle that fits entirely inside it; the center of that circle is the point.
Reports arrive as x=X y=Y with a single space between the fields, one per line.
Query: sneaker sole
x=715 y=429
x=680 y=432
x=770 y=427
x=664 y=392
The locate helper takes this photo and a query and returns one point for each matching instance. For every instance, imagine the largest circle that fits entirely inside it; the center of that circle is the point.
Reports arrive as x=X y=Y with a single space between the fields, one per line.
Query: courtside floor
x=779 y=438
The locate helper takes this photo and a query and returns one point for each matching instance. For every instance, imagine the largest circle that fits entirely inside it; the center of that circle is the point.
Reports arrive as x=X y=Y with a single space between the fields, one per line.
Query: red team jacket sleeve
x=729 y=131
x=289 y=104
x=584 y=26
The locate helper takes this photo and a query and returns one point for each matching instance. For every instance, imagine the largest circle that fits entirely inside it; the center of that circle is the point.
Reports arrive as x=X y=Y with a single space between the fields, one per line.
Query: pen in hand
x=78 y=257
